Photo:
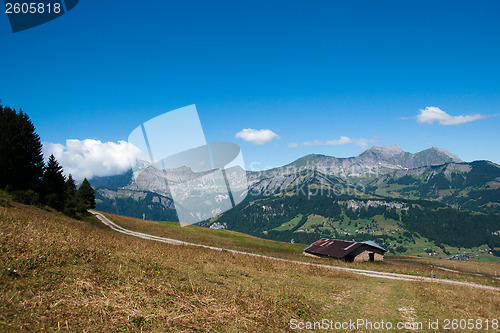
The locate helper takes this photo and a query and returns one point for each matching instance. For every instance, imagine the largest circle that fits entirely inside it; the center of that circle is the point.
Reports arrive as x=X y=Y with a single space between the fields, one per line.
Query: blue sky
x=305 y=70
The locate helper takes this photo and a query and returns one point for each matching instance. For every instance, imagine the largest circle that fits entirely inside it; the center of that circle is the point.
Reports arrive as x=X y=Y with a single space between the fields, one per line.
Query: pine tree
x=21 y=158
x=72 y=206
x=86 y=194
x=54 y=184
x=70 y=186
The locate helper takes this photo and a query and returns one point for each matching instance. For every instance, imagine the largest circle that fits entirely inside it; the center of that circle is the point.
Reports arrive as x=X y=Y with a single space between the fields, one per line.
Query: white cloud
x=88 y=158
x=293 y=145
x=257 y=137
x=431 y=114
x=343 y=140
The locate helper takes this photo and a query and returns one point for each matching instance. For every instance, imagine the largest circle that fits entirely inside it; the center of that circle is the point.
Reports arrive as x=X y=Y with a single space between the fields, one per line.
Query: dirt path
x=460 y=272
x=383 y=275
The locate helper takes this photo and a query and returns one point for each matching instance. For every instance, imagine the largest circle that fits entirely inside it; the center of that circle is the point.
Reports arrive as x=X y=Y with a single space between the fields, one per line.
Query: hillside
x=473 y=186
x=411 y=227
x=232 y=240
x=59 y=273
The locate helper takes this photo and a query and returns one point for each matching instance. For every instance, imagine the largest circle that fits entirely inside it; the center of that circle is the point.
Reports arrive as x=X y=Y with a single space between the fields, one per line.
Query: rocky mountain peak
x=385 y=151
x=441 y=151
x=380 y=154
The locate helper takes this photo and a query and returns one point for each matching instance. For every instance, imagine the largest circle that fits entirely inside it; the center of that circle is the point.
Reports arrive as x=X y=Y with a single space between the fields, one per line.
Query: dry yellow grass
x=483 y=272
x=472 y=267
x=61 y=274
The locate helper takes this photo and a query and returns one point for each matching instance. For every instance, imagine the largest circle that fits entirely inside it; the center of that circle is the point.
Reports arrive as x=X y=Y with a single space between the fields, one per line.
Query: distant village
x=353 y=204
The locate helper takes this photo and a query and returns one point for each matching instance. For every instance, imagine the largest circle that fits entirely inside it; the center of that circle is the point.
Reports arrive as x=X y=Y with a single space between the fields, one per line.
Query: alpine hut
x=346 y=250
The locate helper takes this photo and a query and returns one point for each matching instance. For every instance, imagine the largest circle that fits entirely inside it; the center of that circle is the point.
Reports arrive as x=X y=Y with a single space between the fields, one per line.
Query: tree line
x=25 y=175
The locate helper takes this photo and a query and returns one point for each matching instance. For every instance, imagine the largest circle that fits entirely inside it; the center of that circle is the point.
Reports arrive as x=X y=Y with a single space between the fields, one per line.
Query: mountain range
x=434 y=174
x=396 y=180
x=352 y=171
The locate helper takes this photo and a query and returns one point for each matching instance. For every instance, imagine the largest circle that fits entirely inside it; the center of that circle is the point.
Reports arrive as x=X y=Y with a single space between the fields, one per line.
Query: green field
x=290 y=224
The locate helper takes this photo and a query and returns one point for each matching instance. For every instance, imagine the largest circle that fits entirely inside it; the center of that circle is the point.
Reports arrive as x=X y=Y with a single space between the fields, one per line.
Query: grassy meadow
x=483 y=272
x=61 y=274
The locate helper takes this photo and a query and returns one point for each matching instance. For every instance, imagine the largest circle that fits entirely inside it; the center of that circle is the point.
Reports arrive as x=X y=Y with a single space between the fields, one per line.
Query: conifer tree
x=54 y=184
x=86 y=194
x=70 y=186
x=72 y=206
x=21 y=158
